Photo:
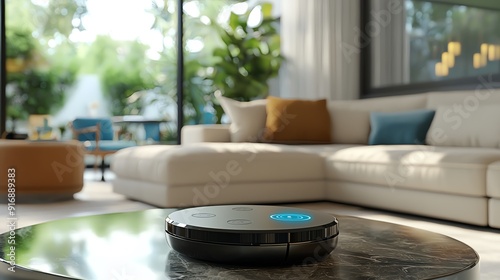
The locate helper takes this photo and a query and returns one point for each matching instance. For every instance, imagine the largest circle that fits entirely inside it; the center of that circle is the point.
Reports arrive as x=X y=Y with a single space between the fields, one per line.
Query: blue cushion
x=400 y=128
x=106 y=128
x=109 y=145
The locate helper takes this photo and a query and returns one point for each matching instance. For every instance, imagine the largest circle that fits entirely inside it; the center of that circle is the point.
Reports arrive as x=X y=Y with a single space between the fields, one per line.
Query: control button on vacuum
x=290 y=217
x=203 y=215
x=242 y=209
x=237 y=222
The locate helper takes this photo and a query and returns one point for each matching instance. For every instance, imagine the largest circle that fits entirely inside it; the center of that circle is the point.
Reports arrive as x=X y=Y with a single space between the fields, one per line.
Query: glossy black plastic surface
x=252 y=234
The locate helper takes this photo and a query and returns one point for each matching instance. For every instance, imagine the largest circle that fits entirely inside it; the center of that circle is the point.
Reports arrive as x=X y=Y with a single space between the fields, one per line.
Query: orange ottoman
x=40 y=171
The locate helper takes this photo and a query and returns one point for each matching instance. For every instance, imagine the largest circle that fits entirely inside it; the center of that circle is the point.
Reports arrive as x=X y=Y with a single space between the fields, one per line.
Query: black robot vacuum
x=252 y=234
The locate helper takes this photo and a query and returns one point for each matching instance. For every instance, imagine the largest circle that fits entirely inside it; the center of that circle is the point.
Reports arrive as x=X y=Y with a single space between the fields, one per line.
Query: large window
x=115 y=58
x=427 y=45
x=83 y=58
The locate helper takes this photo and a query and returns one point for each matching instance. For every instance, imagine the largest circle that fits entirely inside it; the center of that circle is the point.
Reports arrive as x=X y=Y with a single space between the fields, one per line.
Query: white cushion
x=458 y=126
x=493 y=180
x=420 y=167
x=494 y=213
x=248 y=119
x=205 y=133
x=209 y=194
x=207 y=163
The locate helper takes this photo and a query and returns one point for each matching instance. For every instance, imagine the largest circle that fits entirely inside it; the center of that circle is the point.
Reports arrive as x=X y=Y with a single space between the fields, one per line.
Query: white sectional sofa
x=456 y=176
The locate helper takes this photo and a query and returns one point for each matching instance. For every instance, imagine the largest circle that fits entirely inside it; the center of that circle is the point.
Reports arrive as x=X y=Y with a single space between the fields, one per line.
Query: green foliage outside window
x=20 y=43
x=123 y=69
x=32 y=87
x=37 y=92
x=238 y=59
x=249 y=58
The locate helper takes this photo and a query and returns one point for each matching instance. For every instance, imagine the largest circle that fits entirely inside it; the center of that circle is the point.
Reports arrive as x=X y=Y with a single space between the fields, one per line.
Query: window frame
x=180 y=70
x=3 y=72
x=466 y=83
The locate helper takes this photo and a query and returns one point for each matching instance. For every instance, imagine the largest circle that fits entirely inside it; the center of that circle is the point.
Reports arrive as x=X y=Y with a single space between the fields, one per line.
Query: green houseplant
x=249 y=57
x=35 y=85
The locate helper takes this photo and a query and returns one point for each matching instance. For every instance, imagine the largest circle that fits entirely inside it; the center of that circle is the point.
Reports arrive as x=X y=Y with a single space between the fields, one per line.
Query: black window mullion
x=180 y=69
x=3 y=77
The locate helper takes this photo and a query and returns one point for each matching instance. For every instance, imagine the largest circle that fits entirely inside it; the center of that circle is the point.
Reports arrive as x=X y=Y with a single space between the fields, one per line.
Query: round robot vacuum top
x=258 y=232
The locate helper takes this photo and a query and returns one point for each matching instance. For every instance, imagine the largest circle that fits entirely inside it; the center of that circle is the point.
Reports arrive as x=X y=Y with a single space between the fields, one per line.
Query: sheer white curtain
x=390 y=50
x=320 y=42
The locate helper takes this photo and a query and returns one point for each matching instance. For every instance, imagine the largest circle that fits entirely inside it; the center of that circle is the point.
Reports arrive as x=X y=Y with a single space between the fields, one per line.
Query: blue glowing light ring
x=290 y=217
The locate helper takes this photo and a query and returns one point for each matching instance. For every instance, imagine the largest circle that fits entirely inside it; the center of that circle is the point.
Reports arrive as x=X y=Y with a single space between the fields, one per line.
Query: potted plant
x=250 y=55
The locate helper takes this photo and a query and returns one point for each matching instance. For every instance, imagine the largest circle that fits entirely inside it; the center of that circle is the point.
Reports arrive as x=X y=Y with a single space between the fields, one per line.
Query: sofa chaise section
x=218 y=173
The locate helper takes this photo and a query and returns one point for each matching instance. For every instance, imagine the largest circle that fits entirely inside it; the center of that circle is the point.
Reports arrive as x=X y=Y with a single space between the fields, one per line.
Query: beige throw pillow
x=457 y=126
x=248 y=119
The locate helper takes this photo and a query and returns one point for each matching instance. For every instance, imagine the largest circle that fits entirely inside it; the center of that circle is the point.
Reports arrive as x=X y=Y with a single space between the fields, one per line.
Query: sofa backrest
x=465 y=98
x=350 y=119
x=465 y=118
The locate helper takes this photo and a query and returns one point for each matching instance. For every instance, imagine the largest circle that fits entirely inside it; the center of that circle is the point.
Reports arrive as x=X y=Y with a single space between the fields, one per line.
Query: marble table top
x=132 y=245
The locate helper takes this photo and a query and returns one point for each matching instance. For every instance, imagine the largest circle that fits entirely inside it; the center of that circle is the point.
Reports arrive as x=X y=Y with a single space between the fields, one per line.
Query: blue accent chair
x=152 y=131
x=97 y=136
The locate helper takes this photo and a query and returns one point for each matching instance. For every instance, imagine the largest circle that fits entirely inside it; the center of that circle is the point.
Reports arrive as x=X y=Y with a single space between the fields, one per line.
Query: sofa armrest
x=205 y=133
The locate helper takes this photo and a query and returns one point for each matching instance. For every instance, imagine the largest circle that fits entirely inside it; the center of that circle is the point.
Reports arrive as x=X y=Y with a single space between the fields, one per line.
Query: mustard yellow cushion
x=296 y=121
